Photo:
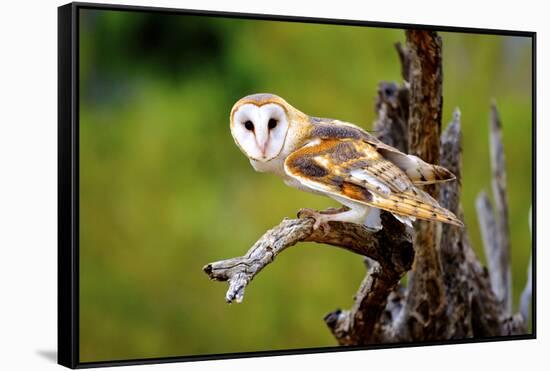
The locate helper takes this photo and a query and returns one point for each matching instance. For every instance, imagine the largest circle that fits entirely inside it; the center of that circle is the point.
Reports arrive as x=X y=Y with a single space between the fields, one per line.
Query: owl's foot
x=369 y=217
x=321 y=218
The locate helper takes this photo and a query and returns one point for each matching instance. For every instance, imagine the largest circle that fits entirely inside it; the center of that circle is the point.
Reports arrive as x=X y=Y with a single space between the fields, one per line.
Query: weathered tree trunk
x=449 y=295
x=426 y=308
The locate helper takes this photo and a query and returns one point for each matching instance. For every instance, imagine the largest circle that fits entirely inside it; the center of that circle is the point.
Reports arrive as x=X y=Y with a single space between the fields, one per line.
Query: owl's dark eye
x=249 y=125
x=272 y=124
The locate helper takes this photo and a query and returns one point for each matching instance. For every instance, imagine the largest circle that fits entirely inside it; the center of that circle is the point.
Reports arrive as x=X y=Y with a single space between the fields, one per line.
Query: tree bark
x=426 y=307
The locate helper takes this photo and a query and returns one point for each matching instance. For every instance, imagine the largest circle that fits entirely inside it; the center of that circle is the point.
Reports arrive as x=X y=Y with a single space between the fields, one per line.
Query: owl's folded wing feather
x=354 y=169
x=418 y=171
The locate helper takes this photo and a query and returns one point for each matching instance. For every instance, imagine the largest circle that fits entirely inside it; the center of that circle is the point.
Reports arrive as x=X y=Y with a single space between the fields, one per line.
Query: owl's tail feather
x=419 y=205
x=417 y=170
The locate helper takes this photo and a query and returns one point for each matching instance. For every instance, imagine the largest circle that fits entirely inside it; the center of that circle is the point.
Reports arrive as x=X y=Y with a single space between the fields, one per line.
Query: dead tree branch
x=494 y=223
x=492 y=300
x=238 y=272
x=501 y=276
x=389 y=247
x=451 y=253
x=487 y=226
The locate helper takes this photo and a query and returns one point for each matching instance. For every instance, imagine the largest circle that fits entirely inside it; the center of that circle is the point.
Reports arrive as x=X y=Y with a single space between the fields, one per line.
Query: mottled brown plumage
x=329 y=165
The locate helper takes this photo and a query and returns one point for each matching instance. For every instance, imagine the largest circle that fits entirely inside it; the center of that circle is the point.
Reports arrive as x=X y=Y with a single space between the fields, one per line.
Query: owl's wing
x=355 y=170
x=418 y=171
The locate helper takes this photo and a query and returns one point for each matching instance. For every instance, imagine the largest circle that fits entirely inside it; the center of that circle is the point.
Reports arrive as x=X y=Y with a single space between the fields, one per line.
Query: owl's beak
x=262 y=138
x=263 y=148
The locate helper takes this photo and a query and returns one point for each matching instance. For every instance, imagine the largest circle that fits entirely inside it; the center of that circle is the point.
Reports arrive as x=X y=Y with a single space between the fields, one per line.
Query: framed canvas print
x=236 y=185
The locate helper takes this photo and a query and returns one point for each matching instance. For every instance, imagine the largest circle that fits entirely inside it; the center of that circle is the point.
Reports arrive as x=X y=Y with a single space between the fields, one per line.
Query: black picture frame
x=68 y=180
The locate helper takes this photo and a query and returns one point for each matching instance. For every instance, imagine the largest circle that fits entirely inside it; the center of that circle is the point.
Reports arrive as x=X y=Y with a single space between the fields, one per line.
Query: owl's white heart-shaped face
x=260 y=131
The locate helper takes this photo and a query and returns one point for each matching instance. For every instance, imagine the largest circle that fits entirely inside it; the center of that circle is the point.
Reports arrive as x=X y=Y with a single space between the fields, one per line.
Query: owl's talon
x=322 y=225
x=321 y=220
x=308 y=213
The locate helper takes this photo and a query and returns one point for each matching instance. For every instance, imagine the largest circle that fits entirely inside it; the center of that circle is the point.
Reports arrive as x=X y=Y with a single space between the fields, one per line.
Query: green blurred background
x=164 y=190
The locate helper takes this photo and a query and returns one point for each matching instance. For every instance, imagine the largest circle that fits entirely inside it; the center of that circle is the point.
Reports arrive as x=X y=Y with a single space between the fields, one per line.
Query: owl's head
x=259 y=125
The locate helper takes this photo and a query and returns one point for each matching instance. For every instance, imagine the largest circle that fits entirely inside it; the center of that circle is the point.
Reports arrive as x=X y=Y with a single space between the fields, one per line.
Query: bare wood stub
x=451 y=253
x=501 y=274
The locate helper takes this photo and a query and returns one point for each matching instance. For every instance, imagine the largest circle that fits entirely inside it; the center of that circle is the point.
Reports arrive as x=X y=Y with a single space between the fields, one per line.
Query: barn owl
x=339 y=160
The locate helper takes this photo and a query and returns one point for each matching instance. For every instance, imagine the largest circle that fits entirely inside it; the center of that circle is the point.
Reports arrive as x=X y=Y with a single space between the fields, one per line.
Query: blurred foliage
x=164 y=190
